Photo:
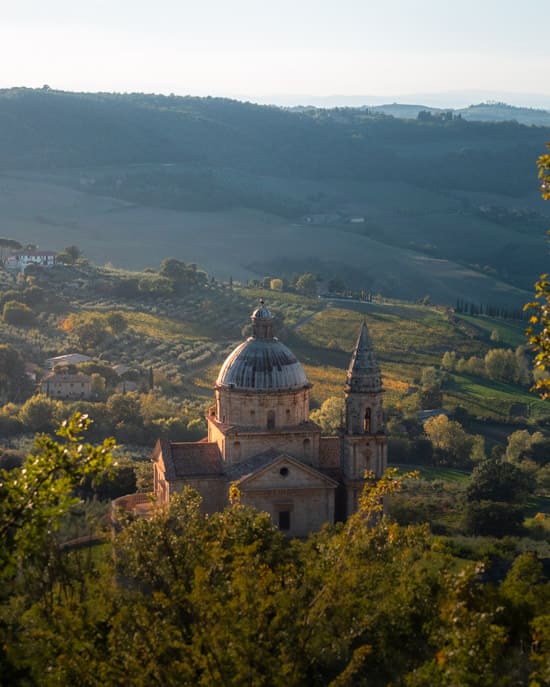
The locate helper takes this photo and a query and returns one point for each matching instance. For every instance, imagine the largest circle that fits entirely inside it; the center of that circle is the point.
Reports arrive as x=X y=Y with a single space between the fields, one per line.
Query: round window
x=283 y=472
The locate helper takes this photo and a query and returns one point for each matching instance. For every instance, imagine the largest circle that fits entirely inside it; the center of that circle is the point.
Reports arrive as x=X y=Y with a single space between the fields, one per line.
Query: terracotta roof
x=329 y=452
x=190 y=459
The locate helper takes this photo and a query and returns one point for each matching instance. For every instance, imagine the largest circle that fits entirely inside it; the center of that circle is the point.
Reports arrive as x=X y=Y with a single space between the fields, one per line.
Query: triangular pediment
x=285 y=472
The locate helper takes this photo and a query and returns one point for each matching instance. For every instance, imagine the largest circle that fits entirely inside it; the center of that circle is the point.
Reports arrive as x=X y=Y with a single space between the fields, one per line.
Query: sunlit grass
x=510 y=332
x=160 y=327
x=153 y=326
x=489 y=398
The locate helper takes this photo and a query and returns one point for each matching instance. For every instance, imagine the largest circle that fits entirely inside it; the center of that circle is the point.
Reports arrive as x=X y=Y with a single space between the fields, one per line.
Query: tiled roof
x=253 y=464
x=191 y=459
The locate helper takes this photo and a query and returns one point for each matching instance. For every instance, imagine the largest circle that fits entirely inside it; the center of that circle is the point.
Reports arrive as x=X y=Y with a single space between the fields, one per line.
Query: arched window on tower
x=271 y=419
x=366 y=421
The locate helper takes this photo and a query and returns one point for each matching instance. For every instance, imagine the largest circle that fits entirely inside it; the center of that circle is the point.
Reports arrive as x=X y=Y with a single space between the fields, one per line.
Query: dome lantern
x=262 y=322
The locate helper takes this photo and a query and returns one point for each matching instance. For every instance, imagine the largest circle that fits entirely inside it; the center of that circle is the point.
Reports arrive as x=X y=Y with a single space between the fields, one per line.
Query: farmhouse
x=66 y=382
x=18 y=260
x=261 y=440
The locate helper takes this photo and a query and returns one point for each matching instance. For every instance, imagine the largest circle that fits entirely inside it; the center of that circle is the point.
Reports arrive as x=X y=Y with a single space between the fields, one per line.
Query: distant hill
x=483 y=112
x=437 y=205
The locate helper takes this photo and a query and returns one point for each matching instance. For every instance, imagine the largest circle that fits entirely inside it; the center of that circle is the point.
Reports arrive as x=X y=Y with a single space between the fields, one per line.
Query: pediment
x=285 y=472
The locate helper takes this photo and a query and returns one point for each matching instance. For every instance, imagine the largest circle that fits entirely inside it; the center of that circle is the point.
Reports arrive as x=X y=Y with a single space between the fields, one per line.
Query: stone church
x=261 y=440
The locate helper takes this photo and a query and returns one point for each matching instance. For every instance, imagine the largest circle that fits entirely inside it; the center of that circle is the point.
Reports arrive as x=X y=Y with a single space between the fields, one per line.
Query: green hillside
x=444 y=207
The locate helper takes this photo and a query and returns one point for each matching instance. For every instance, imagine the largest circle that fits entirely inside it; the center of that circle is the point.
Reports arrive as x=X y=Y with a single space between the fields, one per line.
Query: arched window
x=307 y=448
x=366 y=421
x=271 y=419
x=236 y=450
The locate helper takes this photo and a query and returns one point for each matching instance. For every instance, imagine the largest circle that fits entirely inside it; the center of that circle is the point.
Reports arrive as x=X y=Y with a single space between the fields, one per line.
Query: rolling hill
x=402 y=207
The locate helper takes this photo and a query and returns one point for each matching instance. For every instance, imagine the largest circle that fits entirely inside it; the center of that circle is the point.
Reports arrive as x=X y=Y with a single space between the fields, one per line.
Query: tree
x=35 y=496
x=307 y=284
x=450 y=439
x=116 y=322
x=18 y=314
x=125 y=408
x=430 y=397
x=538 y=331
x=73 y=252
x=519 y=443
x=97 y=384
x=276 y=284
x=330 y=415
x=475 y=366
x=172 y=268
x=13 y=380
x=35 y=499
x=430 y=376
x=448 y=361
x=38 y=414
x=493 y=518
x=501 y=365
x=91 y=331
x=497 y=480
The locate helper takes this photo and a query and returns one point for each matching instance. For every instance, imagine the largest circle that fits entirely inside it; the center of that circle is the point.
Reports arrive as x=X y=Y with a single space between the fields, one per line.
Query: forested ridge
x=45 y=129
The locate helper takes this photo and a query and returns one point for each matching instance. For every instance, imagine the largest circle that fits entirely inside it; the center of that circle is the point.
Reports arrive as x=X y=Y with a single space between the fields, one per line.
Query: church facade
x=261 y=440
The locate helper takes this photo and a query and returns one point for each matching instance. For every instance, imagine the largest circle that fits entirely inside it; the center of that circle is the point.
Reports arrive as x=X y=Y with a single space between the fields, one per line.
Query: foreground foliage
x=188 y=599
x=539 y=329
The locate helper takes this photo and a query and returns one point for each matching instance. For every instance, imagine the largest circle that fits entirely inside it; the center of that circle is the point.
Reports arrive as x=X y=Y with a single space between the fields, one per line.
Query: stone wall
x=237 y=445
x=307 y=509
x=262 y=410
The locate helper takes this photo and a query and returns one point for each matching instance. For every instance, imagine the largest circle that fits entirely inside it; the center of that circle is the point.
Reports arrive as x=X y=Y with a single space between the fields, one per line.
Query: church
x=261 y=440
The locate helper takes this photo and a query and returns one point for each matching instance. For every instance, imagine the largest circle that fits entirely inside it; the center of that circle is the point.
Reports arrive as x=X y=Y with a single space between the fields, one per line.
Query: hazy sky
x=266 y=47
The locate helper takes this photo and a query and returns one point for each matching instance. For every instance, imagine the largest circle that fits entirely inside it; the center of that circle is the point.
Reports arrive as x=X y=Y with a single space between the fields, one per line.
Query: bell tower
x=364 y=441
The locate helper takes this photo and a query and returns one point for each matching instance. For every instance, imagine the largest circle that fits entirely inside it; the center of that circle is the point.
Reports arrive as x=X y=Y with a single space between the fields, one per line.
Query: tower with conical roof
x=364 y=441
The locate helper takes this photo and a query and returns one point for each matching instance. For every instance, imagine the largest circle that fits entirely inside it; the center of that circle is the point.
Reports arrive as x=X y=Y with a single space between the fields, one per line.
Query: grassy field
x=510 y=332
x=164 y=328
x=410 y=248
x=492 y=399
x=439 y=473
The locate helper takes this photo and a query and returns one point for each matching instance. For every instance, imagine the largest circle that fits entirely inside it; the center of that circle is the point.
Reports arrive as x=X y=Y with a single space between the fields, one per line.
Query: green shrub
x=18 y=314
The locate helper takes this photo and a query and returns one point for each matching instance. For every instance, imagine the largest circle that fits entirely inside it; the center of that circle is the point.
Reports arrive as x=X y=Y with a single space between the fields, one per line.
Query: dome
x=262 y=312
x=262 y=362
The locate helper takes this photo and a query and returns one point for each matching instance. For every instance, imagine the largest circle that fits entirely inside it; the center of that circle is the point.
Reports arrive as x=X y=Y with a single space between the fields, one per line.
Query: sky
x=277 y=50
